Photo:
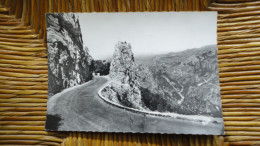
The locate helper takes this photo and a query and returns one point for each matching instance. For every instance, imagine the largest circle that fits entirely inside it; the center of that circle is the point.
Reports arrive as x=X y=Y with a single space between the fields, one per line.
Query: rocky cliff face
x=124 y=88
x=68 y=61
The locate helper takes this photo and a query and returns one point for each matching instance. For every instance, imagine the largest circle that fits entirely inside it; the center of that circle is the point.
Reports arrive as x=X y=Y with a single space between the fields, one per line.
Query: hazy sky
x=149 y=33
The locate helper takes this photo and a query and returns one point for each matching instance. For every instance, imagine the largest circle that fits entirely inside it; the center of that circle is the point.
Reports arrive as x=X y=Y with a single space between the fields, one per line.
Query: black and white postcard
x=149 y=72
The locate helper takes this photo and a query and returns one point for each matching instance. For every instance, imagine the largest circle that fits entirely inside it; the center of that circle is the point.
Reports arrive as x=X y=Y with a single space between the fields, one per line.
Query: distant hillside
x=184 y=82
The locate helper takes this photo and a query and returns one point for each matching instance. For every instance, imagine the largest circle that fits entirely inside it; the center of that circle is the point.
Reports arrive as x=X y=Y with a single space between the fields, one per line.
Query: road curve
x=81 y=109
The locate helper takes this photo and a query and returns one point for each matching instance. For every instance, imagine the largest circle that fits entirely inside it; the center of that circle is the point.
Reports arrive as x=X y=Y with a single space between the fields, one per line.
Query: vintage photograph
x=139 y=72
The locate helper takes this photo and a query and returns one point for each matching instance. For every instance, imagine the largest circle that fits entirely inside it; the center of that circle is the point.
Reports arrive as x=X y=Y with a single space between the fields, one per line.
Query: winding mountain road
x=81 y=109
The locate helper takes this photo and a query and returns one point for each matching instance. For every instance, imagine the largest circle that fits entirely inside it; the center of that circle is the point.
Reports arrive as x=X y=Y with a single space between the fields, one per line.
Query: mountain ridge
x=177 y=81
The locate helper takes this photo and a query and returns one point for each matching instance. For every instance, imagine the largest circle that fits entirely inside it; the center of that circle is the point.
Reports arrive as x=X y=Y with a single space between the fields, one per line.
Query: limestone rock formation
x=122 y=66
x=124 y=88
x=68 y=61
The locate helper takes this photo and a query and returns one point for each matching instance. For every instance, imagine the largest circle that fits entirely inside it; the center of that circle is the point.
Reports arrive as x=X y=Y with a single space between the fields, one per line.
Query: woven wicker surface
x=23 y=71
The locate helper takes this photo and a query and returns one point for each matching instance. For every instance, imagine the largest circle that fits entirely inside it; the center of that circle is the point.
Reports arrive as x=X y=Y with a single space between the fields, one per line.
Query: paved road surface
x=81 y=109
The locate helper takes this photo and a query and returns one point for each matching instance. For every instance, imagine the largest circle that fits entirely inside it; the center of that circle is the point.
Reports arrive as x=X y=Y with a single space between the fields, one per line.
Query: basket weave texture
x=23 y=71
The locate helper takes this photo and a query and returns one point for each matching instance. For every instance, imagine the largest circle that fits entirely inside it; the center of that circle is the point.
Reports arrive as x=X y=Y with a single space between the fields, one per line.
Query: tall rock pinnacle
x=122 y=67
